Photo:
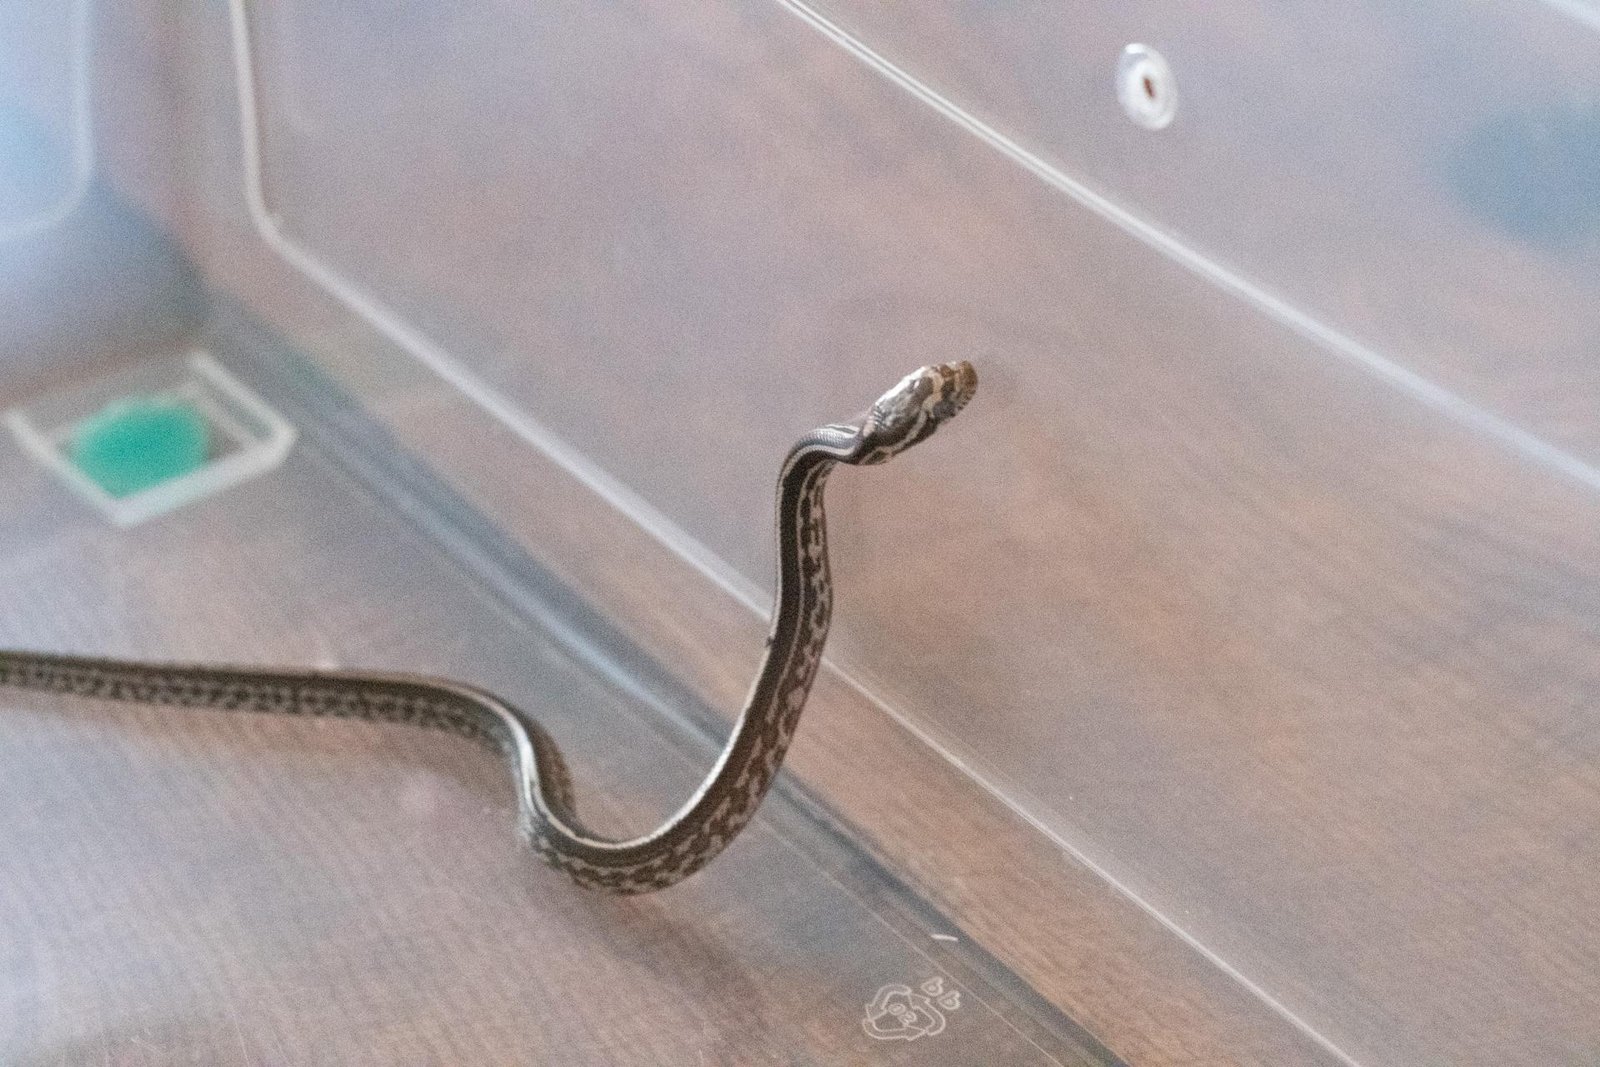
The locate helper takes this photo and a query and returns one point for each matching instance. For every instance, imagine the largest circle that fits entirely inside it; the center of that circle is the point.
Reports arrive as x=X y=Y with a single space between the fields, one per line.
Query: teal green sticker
x=139 y=443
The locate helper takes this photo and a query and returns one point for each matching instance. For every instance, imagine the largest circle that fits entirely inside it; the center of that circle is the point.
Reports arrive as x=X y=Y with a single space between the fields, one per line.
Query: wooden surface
x=191 y=887
x=1306 y=666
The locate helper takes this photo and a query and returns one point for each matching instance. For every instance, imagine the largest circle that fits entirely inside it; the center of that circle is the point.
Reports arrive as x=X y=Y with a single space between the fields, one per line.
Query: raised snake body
x=735 y=786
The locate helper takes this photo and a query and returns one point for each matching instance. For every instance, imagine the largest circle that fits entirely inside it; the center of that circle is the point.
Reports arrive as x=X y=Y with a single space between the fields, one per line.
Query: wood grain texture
x=1303 y=663
x=245 y=889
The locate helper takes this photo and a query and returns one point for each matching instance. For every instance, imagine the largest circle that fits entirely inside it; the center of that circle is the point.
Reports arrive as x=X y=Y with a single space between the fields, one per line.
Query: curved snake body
x=735 y=786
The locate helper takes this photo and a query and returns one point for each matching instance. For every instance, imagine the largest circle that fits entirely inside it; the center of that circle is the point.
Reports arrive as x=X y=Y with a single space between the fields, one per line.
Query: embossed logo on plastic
x=899 y=1013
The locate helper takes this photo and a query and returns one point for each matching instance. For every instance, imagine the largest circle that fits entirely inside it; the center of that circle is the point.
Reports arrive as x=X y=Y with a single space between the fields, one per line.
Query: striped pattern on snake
x=732 y=791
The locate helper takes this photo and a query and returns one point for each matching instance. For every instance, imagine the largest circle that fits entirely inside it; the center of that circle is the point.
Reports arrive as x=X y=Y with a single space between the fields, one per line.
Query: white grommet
x=1145 y=87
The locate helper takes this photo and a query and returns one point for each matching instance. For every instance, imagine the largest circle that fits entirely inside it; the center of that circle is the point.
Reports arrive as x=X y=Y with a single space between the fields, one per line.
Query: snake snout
x=915 y=408
x=958 y=385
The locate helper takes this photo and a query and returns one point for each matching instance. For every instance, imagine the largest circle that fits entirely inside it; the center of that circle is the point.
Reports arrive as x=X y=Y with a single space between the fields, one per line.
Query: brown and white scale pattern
x=733 y=790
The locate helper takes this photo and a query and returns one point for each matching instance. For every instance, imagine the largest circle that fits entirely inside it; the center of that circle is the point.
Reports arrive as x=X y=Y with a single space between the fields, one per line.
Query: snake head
x=913 y=409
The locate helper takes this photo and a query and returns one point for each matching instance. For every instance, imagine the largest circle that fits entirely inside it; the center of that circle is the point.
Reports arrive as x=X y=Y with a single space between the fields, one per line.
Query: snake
x=726 y=799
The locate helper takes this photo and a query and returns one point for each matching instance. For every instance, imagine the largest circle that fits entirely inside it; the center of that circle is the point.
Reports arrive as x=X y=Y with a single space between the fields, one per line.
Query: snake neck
x=801 y=615
x=803 y=604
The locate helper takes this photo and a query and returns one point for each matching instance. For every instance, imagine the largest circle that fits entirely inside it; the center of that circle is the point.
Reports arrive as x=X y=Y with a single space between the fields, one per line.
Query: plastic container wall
x=45 y=148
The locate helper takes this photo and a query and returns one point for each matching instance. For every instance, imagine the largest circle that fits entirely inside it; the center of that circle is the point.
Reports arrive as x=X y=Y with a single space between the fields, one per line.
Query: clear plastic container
x=1261 y=577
